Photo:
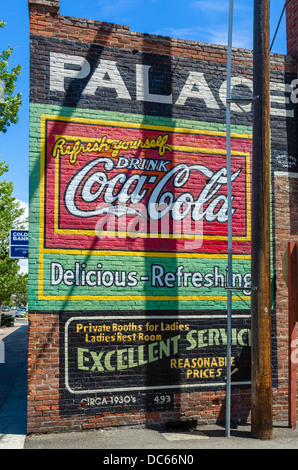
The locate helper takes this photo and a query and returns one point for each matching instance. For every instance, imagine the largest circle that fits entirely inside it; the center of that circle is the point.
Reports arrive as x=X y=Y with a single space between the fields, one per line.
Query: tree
x=10 y=103
x=10 y=211
x=21 y=288
x=10 y=214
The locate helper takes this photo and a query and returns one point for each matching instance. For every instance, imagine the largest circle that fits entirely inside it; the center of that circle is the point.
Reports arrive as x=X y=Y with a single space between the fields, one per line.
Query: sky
x=198 y=20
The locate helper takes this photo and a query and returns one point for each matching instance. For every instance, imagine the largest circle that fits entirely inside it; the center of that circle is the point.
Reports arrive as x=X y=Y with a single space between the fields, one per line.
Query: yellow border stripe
x=135 y=297
x=181 y=130
x=206 y=150
x=152 y=254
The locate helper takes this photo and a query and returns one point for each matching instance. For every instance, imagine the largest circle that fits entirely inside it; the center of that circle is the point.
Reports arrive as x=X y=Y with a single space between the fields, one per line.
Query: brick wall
x=292 y=28
x=43 y=393
x=151 y=88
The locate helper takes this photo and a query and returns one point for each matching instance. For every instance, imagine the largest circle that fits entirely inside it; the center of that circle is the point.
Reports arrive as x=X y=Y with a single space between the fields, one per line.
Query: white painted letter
x=58 y=71
x=54 y=279
x=234 y=82
x=114 y=80
x=203 y=92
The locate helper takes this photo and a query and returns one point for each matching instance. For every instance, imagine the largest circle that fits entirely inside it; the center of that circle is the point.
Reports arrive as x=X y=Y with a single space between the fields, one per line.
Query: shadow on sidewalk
x=13 y=383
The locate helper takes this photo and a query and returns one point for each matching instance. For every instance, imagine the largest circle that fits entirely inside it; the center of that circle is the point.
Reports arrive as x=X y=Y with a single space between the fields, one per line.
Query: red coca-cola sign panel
x=131 y=187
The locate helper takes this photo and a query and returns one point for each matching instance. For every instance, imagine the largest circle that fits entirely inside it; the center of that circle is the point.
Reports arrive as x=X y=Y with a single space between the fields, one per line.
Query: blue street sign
x=19 y=243
x=19 y=252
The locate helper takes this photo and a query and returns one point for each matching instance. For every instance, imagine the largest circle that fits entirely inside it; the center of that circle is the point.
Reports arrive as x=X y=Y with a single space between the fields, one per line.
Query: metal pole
x=261 y=363
x=230 y=243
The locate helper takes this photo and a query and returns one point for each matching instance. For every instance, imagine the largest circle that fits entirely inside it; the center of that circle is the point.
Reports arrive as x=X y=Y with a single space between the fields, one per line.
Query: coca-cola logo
x=93 y=184
x=143 y=188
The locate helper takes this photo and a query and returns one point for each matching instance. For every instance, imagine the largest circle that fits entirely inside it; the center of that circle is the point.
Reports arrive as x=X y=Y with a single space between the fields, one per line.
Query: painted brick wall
x=114 y=317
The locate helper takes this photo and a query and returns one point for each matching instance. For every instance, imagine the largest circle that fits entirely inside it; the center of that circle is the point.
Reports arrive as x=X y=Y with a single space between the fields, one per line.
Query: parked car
x=5 y=309
x=20 y=312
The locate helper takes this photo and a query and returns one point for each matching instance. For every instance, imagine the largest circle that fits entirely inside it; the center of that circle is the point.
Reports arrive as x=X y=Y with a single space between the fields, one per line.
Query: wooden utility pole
x=261 y=374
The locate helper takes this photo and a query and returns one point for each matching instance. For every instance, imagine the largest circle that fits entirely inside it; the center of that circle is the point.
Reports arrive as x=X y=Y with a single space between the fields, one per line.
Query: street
x=13 y=313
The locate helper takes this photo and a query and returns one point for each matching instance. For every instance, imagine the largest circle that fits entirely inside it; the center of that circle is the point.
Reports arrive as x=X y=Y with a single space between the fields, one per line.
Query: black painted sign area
x=137 y=362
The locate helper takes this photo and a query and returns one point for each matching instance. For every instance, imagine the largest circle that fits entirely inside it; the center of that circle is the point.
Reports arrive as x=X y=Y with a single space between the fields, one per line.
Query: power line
x=282 y=13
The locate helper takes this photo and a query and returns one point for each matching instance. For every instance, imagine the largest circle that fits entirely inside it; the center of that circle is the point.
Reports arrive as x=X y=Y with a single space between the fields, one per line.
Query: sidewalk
x=116 y=442
x=13 y=387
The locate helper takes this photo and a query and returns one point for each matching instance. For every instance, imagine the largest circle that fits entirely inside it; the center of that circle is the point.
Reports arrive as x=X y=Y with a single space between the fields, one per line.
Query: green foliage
x=9 y=107
x=7 y=320
x=10 y=213
x=21 y=288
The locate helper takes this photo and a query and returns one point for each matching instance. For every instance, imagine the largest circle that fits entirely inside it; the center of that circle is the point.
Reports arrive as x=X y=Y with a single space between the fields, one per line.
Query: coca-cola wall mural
x=129 y=202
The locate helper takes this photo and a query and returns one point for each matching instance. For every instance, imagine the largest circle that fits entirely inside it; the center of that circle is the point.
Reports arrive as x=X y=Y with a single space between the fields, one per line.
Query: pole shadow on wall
x=70 y=100
x=154 y=397
x=66 y=103
x=241 y=357
x=158 y=70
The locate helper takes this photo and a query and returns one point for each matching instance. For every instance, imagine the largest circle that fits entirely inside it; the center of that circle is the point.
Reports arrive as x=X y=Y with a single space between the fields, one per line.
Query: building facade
x=128 y=225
